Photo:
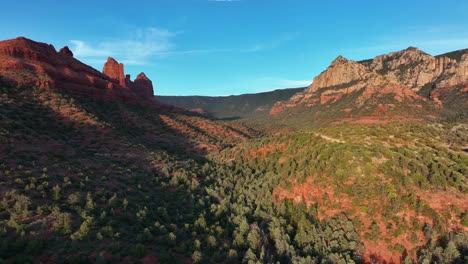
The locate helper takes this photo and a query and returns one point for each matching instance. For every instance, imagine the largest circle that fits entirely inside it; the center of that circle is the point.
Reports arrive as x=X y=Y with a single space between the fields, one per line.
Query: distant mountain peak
x=339 y=60
x=412 y=48
x=340 y=71
x=397 y=79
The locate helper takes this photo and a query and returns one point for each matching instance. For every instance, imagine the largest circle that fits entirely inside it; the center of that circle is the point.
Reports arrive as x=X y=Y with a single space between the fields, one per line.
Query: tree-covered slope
x=401 y=187
x=87 y=181
x=234 y=106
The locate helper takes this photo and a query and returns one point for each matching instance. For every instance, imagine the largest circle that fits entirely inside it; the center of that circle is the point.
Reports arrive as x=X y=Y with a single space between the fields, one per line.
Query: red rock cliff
x=401 y=75
x=115 y=71
x=30 y=63
x=143 y=86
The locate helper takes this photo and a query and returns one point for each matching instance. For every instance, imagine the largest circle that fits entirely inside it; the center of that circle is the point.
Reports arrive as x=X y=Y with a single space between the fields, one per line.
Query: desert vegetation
x=92 y=181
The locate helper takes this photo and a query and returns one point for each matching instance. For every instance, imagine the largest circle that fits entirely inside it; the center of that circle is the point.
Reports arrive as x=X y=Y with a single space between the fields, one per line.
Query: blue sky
x=221 y=47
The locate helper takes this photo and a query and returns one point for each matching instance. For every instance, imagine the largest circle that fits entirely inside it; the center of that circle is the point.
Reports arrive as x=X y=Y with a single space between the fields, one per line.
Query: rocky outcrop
x=411 y=67
x=128 y=81
x=115 y=71
x=26 y=62
x=142 y=85
x=398 y=76
x=30 y=63
x=66 y=51
x=453 y=73
x=340 y=72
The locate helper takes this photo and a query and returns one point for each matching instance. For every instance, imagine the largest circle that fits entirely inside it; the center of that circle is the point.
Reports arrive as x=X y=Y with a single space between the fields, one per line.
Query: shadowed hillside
x=99 y=176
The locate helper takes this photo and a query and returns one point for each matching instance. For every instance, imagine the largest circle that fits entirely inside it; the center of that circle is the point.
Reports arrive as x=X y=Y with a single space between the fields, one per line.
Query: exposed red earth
x=331 y=204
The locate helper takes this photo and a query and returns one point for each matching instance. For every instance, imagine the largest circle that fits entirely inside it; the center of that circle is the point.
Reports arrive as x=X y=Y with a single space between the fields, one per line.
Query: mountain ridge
x=398 y=81
x=232 y=106
x=30 y=63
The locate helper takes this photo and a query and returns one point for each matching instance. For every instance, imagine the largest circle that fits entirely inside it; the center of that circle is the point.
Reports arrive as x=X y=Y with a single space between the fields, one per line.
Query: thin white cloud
x=142 y=45
x=139 y=48
x=82 y=49
x=136 y=49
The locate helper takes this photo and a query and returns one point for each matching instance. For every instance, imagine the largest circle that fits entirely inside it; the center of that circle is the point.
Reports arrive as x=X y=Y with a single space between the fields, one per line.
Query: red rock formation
x=29 y=63
x=397 y=76
x=143 y=86
x=115 y=71
x=128 y=81
x=66 y=51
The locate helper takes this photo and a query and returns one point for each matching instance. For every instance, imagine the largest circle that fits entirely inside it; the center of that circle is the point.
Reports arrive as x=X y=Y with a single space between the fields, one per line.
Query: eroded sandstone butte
x=115 y=71
x=142 y=85
x=30 y=63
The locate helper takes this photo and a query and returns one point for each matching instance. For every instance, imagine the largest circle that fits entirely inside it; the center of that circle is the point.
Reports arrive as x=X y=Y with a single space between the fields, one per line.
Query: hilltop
x=407 y=85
